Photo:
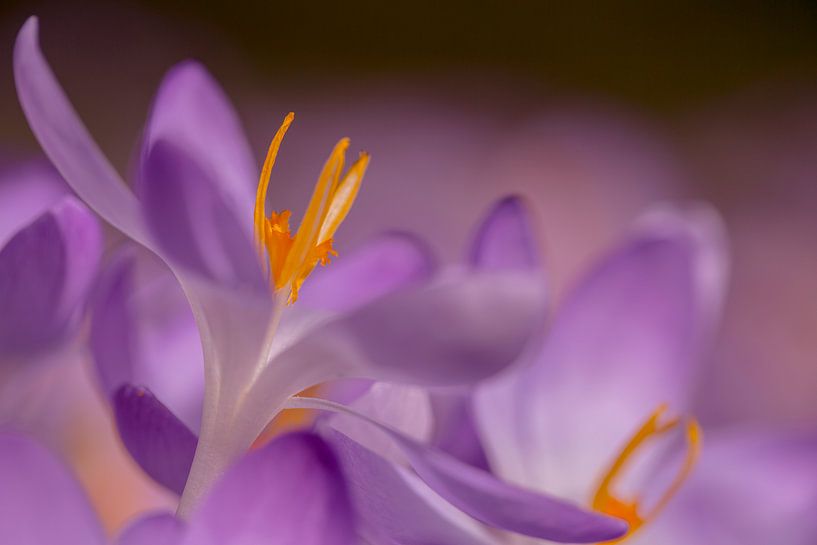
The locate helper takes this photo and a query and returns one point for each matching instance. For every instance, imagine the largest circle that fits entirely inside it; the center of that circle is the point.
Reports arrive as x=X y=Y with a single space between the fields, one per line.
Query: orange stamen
x=607 y=502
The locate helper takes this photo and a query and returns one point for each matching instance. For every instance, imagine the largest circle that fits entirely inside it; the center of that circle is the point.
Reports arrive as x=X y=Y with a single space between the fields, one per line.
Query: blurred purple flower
x=290 y=491
x=50 y=248
x=381 y=315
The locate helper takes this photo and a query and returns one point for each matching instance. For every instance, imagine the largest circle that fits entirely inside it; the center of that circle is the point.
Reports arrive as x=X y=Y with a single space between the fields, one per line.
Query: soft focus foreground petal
x=46 y=271
x=67 y=142
x=193 y=113
x=158 y=441
x=153 y=529
x=192 y=220
x=40 y=502
x=505 y=238
x=626 y=340
x=385 y=264
x=26 y=191
x=143 y=333
x=487 y=499
x=289 y=491
x=749 y=488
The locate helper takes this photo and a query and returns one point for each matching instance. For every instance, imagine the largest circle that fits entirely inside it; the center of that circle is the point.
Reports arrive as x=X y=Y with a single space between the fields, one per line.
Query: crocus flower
x=195 y=207
x=289 y=491
x=617 y=365
x=50 y=248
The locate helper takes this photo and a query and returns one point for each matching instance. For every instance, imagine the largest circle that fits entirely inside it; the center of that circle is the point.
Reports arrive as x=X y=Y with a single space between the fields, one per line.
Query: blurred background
x=593 y=110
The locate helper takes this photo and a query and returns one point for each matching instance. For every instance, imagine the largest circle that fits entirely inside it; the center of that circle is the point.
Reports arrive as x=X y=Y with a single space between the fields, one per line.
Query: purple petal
x=192 y=112
x=387 y=263
x=505 y=238
x=488 y=499
x=456 y=331
x=289 y=491
x=393 y=507
x=455 y=430
x=40 y=502
x=159 y=442
x=154 y=529
x=27 y=190
x=67 y=142
x=46 y=271
x=192 y=219
x=143 y=332
x=626 y=340
x=749 y=488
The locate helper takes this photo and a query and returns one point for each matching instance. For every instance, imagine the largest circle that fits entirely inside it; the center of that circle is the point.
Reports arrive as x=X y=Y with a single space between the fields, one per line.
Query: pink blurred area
x=444 y=147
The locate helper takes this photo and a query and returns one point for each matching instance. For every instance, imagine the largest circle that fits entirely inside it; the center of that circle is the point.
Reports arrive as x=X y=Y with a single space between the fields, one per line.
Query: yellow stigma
x=289 y=258
x=607 y=502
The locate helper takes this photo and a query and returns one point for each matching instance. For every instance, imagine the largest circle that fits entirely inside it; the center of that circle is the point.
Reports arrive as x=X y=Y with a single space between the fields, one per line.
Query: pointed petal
x=153 y=529
x=387 y=263
x=40 y=502
x=289 y=491
x=192 y=112
x=192 y=220
x=67 y=142
x=159 y=442
x=143 y=332
x=626 y=340
x=46 y=272
x=487 y=499
x=505 y=238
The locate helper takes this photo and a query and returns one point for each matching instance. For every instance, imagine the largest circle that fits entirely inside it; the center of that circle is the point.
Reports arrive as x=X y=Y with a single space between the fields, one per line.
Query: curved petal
x=505 y=238
x=40 y=502
x=143 y=332
x=46 y=272
x=26 y=191
x=67 y=142
x=192 y=220
x=455 y=331
x=750 y=488
x=626 y=340
x=192 y=112
x=153 y=529
x=394 y=506
x=455 y=430
x=289 y=491
x=486 y=498
x=385 y=264
x=159 y=442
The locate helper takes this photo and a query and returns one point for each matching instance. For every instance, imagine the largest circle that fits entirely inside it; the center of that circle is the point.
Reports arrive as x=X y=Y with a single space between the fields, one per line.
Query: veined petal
x=387 y=263
x=153 y=529
x=159 y=442
x=67 y=142
x=46 y=271
x=485 y=498
x=192 y=112
x=626 y=340
x=289 y=491
x=40 y=502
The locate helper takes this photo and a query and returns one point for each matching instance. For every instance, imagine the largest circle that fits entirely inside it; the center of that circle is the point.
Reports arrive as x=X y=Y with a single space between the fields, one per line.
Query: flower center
x=289 y=259
x=631 y=511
